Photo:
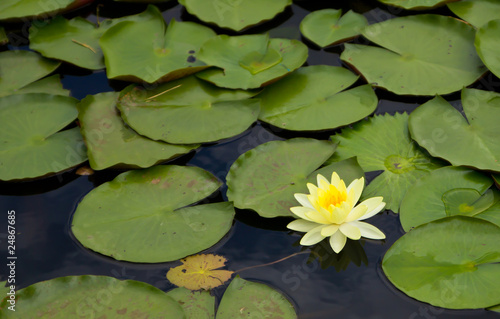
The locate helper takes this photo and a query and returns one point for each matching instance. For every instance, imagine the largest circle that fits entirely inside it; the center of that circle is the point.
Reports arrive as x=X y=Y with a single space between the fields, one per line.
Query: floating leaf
x=444 y=132
x=196 y=304
x=327 y=27
x=29 y=8
x=476 y=12
x=41 y=149
x=110 y=142
x=450 y=263
x=420 y=55
x=383 y=144
x=151 y=204
x=20 y=68
x=48 y=85
x=188 y=110
x=149 y=51
x=311 y=99
x=246 y=299
x=416 y=4
x=235 y=15
x=200 y=272
x=250 y=61
x=266 y=178
x=446 y=192
x=92 y=297
x=488 y=45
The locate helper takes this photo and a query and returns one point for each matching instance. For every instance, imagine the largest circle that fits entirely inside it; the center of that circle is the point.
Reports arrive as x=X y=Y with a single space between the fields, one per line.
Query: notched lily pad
x=148 y=51
x=49 y=85
x=188 y=110
x=152 y=204
x=250 y=61
x=316 y=98
x=196 y=304
x=476 y=12
x=111 y=143
x=488 y=45
x=328 y=26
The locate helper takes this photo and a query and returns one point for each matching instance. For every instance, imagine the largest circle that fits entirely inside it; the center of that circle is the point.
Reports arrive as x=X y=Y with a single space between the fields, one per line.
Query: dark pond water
x=351 y=285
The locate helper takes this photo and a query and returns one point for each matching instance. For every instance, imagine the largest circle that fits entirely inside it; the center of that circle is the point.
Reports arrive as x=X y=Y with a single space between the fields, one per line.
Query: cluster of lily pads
x=187 y=78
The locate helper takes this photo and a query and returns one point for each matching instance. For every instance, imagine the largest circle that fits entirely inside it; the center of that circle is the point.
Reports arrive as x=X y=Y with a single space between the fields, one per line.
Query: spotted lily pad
x=382 y=143
x=235 y=15
x=315 y=98
x=450 y=263
x=419 y=55
x=416 y=4
x=196 y=304
x=444 y=132
x=250 y=61
x=266 y=178
x=20 y=68
x=246 y=299
x=41 y=149
x=151 y=203
x=450 y=191
x=488 y=45
x=111 y=143
x=92 y=297
x=188 y=110
x=476 y=12
x=328 y=26
x=149 y=51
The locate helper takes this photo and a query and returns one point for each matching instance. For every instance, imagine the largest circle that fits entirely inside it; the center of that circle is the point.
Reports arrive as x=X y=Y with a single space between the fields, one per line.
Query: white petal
x=318 y=217
x=301 y=212
x=357 y=185
x=313 y=236
x=373 y=212
x=339 y=214
x=329 y=230
x=303 y=200
x=301 y=225
x=322 y=182
x=356 y=213
x=369 y=231
x=337 y=241
x=350 y=231
x=335 y=180
x=313 y=189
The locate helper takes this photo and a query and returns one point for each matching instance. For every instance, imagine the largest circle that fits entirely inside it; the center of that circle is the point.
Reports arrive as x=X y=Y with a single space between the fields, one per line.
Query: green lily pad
x=48 y=85
x=450 y=263
x=235 y=15
x=188 y=110
x=42 y=149
x=111 y=143
x=494 y=308
x=416 y=4
x=327 y=27
x=3 y=36
x=476 y=12
x=446 y=192
x=28 y=8
x=266 y=178
x=444 y=132
x=196 y=304
x=151 y=203
x=311 y=99
x=383 y=144
x=20 y=68
x=250 y=61
x=148 y=51
x=246 y=299
x=488 y=45
x=92 y=297
x=419 y=55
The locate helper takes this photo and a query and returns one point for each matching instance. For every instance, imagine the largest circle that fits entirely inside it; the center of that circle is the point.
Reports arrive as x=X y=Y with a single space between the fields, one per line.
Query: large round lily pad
x=20 y=68
x=235 y=15
x=15 y=9
x=246 y=299
x=316 y=98
x=30 y=142
x=488 y=45
x=250 y=61
x=450 y=263
x=416 y=4
x=149 y=51
x=328 y=26
x=266 y=178
x=196 y=304
x=450 y=191
x=111 y=143
x=472 y=141
x=476 y=12
x=419 y=55
x=92 y=297
x=188 y=110
x=151 y=204
x=383 y=144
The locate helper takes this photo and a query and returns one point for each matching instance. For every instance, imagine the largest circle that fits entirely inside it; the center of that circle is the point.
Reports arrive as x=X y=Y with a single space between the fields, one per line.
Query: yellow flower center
x=332 y=196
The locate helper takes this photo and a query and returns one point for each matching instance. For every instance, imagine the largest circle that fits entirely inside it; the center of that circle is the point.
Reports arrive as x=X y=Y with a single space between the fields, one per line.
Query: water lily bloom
x=329 y=211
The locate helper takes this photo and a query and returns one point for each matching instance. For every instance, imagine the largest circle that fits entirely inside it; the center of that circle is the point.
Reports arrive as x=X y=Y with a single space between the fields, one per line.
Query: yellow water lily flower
x=329 y=211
